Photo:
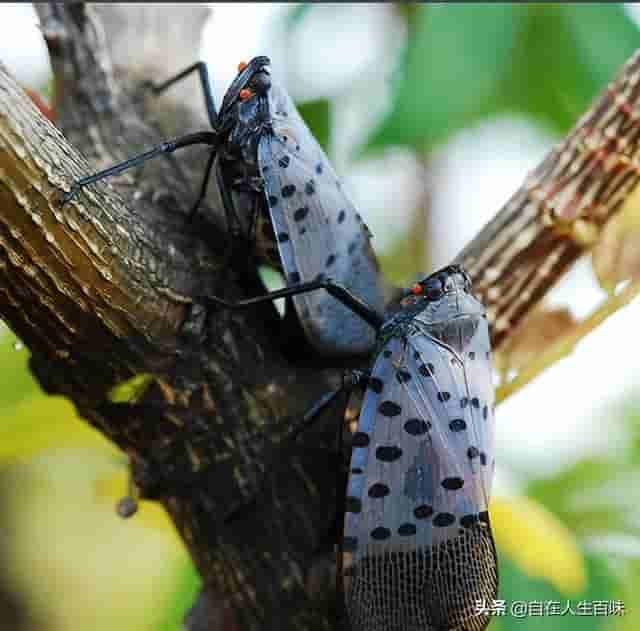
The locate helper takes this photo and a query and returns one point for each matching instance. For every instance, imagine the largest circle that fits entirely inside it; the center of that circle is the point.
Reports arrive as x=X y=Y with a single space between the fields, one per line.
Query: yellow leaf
x=42 y=423
x=538 y=542
x=131 y=390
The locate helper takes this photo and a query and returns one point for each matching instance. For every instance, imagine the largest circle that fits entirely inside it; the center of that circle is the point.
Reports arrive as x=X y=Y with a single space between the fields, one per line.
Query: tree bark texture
x=105 y=288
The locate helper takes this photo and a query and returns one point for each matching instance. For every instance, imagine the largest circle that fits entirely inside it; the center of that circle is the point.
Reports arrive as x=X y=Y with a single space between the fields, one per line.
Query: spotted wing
x=318 y=230
x=420 y=553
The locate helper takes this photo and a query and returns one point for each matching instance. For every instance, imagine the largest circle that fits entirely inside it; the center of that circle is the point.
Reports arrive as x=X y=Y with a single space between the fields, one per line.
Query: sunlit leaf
x=131 y=390
x=44 y=423
x=61 y=541
x=551 y=551
x=17 y=382
x=616 y=256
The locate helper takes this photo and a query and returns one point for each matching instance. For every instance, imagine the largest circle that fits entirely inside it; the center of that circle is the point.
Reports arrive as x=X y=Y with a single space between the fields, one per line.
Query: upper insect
x=282 y=197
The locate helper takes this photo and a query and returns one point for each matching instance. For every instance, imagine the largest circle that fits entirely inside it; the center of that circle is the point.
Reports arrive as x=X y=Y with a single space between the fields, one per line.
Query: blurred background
x=433 y=114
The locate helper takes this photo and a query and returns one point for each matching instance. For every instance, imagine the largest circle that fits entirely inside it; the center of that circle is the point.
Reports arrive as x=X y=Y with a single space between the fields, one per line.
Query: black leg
x=349 y=381
x=338 y=291
x=233 y=223
x=203 y=186
x=201 y=68
x=199 y=138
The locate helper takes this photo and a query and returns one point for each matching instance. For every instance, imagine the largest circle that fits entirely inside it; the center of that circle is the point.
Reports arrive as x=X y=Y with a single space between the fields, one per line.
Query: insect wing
x=419 y=553
x=318 y=231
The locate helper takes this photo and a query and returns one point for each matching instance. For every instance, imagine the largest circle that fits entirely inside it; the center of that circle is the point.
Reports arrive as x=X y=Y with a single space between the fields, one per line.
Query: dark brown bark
x=103 y=289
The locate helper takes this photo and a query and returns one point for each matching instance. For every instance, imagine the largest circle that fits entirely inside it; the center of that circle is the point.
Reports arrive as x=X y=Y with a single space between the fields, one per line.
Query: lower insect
x=418 y=551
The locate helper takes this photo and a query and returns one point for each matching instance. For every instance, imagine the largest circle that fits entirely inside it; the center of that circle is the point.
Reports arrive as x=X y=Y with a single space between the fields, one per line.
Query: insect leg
x=231 y=216
x=201 y=68
x=359 y=306
x=169 y=146
x=350 y=380
x=203 y=185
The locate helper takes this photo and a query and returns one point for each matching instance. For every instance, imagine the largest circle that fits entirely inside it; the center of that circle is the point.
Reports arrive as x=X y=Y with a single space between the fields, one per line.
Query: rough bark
x=106 y=288
x=101 y=291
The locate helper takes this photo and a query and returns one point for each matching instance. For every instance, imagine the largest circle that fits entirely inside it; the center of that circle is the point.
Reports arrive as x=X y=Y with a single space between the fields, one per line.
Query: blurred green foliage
x=465 y=62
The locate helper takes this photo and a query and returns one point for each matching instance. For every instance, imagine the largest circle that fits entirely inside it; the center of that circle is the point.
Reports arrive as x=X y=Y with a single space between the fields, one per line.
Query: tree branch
x=556 y=215
x=101 y=292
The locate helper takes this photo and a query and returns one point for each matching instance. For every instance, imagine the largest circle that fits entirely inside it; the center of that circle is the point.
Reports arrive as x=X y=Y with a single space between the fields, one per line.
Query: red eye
x=416 y=289
x=245 y=94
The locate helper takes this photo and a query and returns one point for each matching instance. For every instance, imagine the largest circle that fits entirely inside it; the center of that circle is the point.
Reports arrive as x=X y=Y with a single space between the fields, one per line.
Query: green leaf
x=184 y=597
x=563 y=57
x=452 y=67
x=516 y=586
x=579 y=497
x=17 y=382
x=464 y=63
x=317 y=115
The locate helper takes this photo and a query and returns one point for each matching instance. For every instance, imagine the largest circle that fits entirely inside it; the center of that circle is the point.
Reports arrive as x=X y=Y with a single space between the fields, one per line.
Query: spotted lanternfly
x=312 y=224
x=279 y=190
x=418 y=552
x=421 y=469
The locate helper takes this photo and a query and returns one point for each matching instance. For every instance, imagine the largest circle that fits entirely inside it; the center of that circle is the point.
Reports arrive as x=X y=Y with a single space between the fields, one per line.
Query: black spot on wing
x=443 y=520
x=301 y=213
x=452 y=484
x=424 y=511
x=378 y=490
x=403 y=376
x=417 y=426
x=389 y=409
x=288 y=190
x=380 y=533
x=388 y=453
